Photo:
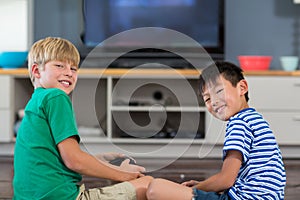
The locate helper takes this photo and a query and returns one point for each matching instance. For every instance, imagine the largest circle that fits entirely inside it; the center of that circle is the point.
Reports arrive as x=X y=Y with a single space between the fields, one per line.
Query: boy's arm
x=226 y=177
x=84 y=163
x=107 y=157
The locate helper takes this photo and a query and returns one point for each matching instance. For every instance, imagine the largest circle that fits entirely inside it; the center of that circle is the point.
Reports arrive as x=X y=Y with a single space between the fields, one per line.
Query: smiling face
x=56 y=74
x=223 y=100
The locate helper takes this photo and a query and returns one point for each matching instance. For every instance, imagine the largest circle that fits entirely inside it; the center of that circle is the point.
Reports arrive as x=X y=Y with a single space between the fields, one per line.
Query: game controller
x=118 y=161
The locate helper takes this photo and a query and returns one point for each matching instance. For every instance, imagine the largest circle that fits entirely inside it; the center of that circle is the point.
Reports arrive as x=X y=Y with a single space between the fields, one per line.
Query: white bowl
x=289 y=63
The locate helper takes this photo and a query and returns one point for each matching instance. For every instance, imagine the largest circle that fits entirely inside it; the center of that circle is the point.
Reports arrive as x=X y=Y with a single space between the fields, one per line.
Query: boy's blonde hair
x=49 y=49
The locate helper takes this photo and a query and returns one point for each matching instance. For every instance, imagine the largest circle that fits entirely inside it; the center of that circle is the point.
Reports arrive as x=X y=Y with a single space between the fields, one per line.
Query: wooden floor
x=180 y=170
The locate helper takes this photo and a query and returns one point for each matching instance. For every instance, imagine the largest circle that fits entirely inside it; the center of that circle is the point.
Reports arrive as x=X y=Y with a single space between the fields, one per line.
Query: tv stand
x=149 y=58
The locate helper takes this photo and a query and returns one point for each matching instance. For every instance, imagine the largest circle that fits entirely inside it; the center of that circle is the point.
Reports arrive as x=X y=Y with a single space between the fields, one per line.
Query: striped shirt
x=262 y=174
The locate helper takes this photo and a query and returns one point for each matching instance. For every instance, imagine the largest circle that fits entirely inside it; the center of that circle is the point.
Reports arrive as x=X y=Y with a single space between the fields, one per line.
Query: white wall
x=13 y=25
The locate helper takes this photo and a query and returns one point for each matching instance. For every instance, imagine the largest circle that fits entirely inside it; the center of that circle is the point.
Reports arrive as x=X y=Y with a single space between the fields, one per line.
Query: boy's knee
x=153 y=188
x=146 y=180
x=141 y=186
x=141 y=183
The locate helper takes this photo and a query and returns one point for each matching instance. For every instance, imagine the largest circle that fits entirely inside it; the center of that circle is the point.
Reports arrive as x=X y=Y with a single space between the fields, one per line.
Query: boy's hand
x=118 y=161
x=107 y=157
x=126 y=166
x=190 y=183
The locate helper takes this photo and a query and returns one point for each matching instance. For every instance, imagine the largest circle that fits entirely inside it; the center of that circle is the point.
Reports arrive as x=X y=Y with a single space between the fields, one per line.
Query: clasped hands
x=125 y=165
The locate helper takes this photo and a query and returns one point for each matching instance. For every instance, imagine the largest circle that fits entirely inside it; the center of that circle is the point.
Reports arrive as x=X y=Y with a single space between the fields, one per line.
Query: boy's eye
x=74 y=69
x=206 y=100
x=220 y=90
x=59 y=66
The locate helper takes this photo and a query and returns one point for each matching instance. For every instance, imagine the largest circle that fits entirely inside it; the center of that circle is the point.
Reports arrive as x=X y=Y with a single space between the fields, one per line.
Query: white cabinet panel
x=5 y=88
x=274 y=93
x=278 y=100
x=286 y=126
x=5 y=126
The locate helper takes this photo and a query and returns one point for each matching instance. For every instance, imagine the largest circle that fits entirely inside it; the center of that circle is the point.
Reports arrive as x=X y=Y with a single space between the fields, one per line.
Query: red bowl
x=248 y=63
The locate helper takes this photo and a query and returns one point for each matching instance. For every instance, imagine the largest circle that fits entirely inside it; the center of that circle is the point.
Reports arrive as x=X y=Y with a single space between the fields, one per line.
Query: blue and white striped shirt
x=262 y=174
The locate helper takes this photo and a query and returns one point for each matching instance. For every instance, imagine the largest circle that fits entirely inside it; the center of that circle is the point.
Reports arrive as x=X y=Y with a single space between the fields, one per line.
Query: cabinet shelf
x=158 y=108
x=141 y=141
x=106 y=100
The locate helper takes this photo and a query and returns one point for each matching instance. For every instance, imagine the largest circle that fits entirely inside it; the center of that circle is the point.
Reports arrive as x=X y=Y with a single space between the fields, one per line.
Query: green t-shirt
x=39 y=171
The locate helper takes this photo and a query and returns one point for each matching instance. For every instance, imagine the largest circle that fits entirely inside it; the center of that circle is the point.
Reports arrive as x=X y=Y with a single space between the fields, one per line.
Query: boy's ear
x=243 y=86
x=35 y=70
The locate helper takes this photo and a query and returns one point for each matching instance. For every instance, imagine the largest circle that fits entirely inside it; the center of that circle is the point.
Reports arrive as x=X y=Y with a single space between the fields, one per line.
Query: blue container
x=12 y=59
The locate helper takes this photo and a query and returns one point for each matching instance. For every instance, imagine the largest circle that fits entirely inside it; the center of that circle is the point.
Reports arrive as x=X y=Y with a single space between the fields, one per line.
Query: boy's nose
x=68 y=72
x=214 y=101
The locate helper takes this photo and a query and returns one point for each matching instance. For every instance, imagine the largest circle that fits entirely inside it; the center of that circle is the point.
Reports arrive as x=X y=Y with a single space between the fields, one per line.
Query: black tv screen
x=201 y=20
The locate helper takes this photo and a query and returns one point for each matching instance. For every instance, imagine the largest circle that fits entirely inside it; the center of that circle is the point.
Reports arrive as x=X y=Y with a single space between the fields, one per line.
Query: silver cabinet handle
x=297 y=84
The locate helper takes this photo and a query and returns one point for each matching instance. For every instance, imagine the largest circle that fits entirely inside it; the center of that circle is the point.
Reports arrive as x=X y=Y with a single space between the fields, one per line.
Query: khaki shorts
x=121 y=191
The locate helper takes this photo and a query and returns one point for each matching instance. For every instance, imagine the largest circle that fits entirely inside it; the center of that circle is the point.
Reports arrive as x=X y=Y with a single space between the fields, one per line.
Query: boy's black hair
x=228 y=70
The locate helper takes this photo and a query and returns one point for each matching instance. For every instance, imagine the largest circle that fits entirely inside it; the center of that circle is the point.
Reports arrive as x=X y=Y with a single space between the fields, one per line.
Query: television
x=200 y=20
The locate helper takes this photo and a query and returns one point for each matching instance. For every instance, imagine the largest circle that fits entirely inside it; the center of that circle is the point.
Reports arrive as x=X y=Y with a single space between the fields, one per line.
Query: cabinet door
x=6 y=126
x=274 y=93
x=5 y=107
x=5 y=89
x=278 y=100
x=285 y=125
